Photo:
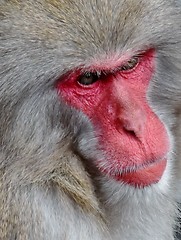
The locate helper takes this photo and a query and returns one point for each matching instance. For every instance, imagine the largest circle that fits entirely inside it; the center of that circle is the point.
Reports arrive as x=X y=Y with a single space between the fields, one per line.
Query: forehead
x=87 y=28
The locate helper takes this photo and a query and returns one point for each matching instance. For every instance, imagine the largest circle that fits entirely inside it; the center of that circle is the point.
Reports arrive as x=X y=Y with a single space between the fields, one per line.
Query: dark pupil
x=88 y=78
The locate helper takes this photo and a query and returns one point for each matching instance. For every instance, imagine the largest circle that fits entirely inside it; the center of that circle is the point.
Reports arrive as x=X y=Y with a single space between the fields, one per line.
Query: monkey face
x=114 y=100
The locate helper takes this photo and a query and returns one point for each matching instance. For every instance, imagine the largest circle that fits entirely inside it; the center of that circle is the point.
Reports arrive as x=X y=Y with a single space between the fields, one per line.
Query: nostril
x=130 y=132
x=128 y=129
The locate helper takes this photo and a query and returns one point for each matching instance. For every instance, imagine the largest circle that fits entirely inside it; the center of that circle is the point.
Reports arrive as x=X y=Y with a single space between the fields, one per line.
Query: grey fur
x=42 y=139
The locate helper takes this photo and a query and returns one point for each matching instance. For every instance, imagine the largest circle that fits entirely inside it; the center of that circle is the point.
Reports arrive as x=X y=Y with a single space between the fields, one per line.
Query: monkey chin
x=145 y=176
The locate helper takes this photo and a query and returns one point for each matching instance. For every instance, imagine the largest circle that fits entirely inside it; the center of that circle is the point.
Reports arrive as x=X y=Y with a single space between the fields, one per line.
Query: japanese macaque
x=90 y=104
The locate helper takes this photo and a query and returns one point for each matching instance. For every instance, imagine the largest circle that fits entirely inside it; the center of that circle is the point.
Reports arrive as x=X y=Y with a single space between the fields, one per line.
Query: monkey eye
x=130 y=64
x=88 y=78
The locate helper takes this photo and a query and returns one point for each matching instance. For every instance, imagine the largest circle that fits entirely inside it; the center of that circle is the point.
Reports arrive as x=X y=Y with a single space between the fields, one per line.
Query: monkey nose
x=132 y=122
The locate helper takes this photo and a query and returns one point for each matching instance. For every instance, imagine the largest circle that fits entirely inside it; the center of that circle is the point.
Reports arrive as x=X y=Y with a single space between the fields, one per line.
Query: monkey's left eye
x=88 y=78
x=130 y=64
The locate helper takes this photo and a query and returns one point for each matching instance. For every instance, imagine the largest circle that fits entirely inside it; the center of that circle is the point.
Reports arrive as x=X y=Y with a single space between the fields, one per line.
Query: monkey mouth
x=142 y=176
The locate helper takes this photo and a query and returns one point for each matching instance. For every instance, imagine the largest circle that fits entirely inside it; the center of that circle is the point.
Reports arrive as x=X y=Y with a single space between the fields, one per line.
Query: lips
x=145 y=176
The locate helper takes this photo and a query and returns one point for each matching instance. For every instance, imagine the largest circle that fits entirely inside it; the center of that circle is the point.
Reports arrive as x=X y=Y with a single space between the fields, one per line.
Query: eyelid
x=103 y=73
x=128 y=63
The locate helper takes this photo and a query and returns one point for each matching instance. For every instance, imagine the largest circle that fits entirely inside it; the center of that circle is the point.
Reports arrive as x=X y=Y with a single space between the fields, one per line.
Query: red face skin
x=131 y=135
